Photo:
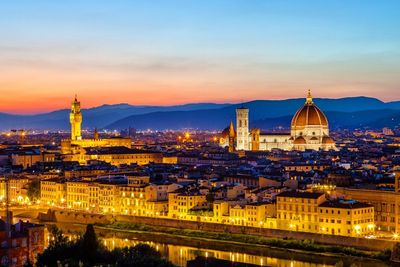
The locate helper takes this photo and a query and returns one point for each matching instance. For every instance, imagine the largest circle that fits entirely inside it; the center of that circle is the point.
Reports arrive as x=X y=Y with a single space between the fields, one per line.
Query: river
x=181 y=250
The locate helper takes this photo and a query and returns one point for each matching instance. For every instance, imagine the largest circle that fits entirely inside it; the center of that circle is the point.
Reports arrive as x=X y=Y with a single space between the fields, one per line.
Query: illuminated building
x=228 y=138
x=346 y=217
x=298 y=211
x=53 y=192
x=252 y=214
x=28 y=158
x=75 y=118
x=309 y=130
x=132 y=199
x=116 y=156
x=16 y=189
x=242 y=129
x=78 y=195
x=76 y=143
x=386 y=203
x=311 y=212
x=179 y=204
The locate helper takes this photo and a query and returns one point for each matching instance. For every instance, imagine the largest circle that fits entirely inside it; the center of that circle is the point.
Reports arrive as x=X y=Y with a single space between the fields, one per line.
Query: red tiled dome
x=300 y=141
x=309 y=114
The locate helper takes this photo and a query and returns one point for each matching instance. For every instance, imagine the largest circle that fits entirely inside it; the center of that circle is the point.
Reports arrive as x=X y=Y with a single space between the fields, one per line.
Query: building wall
x=348 y=222
x=53 y=193
x=386 y=206
x=27 y=160
x=242 y=129
x=298 y=214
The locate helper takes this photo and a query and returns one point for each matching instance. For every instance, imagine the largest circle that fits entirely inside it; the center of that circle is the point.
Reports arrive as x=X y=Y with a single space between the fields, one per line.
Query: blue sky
x=171 y=52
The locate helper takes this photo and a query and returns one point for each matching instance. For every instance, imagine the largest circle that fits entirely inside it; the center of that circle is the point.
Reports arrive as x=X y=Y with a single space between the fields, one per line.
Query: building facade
x=76 y=143
x=309 y=129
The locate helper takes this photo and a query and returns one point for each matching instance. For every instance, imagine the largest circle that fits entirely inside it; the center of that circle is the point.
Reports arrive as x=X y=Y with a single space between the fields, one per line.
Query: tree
x=87 y=251
x=90 y=244
x=33 y=191
x=59 y=248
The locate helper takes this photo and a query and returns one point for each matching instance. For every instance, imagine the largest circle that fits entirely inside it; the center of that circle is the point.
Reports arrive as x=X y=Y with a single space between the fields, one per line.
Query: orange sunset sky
x=158 y=53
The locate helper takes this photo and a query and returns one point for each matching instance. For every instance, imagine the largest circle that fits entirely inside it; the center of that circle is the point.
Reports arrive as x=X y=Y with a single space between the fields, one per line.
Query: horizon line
x=188 y=103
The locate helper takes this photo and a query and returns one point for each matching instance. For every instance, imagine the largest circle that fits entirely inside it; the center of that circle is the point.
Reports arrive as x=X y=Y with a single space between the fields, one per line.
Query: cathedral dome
x=309 y=114
x=300 y=141
x=327 y=140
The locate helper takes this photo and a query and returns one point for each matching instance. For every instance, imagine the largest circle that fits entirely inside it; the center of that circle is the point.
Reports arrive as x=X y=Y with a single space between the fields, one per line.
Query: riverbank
x=358 y=243
x=303 y=246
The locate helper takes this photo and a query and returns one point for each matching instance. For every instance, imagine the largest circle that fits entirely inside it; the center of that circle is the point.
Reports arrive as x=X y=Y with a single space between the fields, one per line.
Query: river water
x=182 y=250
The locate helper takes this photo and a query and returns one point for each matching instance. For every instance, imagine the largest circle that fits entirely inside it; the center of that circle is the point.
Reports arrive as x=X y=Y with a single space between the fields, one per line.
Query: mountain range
x=349 y=112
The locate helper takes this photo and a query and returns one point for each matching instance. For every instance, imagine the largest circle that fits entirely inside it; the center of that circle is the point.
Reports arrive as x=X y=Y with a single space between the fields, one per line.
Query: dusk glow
x=199 y=133
x=174 y=52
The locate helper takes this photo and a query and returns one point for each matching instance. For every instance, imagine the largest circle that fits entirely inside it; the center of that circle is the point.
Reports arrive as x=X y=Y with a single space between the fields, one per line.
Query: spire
x=76 y=98
x=231 y=129
x=309 y=98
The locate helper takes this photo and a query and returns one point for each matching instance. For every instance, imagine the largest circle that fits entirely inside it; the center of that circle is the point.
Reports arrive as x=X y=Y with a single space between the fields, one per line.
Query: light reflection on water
x=180 y=255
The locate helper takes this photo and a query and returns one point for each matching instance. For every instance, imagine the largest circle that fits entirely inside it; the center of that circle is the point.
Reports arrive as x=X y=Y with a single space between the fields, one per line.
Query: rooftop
x=345 y=204
x=298 y=194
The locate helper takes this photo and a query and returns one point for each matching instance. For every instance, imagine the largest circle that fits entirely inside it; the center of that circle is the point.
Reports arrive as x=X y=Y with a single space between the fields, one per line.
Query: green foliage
x=33 y=191
x=383 y=255
x=87 y=251
x=90 y=244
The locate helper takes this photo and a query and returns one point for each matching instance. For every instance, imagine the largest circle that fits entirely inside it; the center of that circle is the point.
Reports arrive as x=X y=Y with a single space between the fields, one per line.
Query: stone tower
x=75 y=118
x=242 y=128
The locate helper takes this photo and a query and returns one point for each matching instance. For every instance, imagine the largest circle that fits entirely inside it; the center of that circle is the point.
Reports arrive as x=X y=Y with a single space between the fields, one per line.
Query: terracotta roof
x=309 y=114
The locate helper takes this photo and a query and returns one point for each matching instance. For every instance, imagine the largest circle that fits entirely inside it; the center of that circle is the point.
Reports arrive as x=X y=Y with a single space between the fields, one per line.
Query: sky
x=182 y=51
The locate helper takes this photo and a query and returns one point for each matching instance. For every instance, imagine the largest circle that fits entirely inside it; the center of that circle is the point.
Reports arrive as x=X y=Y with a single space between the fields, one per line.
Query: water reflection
x=180 y=251
x=180 y=255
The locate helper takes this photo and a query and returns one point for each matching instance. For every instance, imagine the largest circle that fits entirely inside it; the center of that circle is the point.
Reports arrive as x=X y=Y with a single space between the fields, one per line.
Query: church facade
x=309 y=129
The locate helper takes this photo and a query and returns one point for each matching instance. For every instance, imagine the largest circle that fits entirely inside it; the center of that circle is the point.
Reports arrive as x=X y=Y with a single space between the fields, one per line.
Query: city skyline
x=186 y=52
x=209 y=133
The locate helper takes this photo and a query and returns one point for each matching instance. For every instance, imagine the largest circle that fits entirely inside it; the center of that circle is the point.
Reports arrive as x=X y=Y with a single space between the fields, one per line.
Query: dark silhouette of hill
x=266 y=114
x=351 y=112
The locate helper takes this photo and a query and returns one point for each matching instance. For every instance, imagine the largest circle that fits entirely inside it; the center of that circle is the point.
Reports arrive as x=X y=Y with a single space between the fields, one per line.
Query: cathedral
x=76 y=144
x=309 y=129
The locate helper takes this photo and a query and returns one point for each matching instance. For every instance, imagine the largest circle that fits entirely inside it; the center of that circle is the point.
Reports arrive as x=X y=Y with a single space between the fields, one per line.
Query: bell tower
x=75 y=118
x=242 y=128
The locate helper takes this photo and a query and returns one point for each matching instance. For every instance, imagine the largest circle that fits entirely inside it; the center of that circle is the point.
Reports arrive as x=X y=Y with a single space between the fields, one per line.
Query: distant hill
x=350 y=112
x=92 y=117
